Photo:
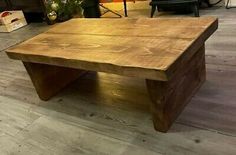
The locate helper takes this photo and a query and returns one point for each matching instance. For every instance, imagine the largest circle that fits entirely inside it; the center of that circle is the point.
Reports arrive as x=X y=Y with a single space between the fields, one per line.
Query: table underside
x=168 y=97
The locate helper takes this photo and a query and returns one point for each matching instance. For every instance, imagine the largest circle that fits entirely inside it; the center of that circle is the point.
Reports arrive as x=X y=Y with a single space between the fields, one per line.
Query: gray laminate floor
x=108 y=114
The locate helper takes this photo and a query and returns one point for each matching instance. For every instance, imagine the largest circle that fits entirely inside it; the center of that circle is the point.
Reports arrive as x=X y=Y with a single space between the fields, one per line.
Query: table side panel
x=170 y=97
x=181 y=61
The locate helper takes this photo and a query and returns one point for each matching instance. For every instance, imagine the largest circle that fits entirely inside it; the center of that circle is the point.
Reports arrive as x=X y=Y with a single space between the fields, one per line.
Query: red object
x=6 y=13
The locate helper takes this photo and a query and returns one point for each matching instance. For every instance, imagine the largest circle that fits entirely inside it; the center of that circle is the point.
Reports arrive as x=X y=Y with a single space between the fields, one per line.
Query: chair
x=156 y=4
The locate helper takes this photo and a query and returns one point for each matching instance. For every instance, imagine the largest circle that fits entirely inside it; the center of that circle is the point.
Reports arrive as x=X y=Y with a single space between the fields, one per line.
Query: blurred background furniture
x=91 y=8
x=109 y=10
x=175 y=5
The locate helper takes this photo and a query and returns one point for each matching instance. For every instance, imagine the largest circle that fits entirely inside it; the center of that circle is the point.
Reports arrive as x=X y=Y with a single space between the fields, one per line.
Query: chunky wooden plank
x=49 y=80
x=169 y=98
x=98 y=50
x=143 y=27
x=102 y=50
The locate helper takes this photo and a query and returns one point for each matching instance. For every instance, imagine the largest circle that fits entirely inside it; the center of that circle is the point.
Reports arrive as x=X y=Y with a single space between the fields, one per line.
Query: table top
x=145 y=47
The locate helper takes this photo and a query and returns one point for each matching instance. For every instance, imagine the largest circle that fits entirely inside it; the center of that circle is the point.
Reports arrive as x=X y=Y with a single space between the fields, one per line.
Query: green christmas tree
x=62 y=10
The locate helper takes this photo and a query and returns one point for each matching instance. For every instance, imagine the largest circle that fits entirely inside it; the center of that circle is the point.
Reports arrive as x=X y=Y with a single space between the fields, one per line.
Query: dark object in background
x=34 y=17
x=3 y=5
x=179 y=6
x=91 y=8
x=207 y=2
x=33 y=9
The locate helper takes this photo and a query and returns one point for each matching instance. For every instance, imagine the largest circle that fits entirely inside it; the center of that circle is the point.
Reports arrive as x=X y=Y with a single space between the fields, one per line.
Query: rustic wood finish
x=49 y=80
x=169 y=98
x=118 y=46
x=170 y=57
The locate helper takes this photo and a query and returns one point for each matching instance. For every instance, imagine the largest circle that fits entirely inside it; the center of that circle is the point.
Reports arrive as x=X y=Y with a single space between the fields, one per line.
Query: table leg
x=169 y=97
x=48 y=80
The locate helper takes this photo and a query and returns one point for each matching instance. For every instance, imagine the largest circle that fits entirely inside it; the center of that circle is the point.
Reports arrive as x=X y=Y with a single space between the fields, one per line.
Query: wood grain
x=172 y=59
x=49 y=80
x=118 y=46
x=169 y=98
x=108 y=107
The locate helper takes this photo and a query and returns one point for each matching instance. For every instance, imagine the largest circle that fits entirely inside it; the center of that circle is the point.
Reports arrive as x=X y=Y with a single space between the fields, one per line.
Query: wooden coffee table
x=168 y=53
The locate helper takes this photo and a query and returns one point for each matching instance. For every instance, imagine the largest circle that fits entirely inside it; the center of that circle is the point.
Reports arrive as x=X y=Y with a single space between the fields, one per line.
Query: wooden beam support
x=48 y=80
x=170 y=97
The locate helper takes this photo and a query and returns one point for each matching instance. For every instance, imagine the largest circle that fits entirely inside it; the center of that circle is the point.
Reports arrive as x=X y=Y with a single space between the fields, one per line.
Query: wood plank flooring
x=109 y=115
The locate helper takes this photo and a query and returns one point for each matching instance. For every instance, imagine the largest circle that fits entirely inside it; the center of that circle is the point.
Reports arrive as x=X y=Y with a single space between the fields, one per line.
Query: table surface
x=146 y=48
